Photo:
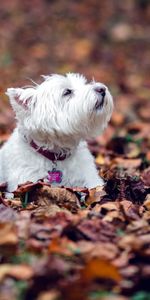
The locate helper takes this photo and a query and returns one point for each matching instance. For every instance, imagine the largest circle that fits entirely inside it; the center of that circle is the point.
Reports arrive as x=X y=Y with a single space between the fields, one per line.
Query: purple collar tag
x=54 y=176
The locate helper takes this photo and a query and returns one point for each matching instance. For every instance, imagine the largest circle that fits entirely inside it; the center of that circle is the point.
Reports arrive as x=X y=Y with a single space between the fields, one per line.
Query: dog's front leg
x=94 y=180
x=91 y=177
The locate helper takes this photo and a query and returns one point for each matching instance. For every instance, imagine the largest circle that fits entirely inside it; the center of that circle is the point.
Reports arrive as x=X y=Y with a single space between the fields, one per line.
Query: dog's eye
x=67 y=92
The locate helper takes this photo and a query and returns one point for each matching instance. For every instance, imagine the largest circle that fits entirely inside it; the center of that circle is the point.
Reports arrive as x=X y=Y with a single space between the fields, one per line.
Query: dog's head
x=62 y=108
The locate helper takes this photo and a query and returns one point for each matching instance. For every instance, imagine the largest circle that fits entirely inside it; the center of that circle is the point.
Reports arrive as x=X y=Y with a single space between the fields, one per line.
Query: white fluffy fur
x=55 y=121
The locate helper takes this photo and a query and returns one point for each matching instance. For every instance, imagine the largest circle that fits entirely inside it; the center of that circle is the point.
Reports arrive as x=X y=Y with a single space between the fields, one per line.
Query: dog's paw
x=99 y=182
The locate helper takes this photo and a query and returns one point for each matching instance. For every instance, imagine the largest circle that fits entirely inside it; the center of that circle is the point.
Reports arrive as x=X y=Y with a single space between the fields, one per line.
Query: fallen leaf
x=95 y=195
x=27 y=187
x=129 y=271
x=99 y=268
x=8 y=234
x=121 y=32
x=46 y=210
x=117 y=118
x=127 y=163
x=130 y=211
x=122 y=260
x=63 y=198
x=100 y=159
x=147 y=202
x=143 y=111
x=131 y=242
x=133 y=150
x=100 y=250
x=21 y=272
x=7 y=214
x=63 y=247
x=146 y=177
x=49 y=295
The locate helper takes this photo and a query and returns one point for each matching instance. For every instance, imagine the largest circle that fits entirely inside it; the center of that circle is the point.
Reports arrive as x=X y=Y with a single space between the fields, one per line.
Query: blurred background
x=108 y=40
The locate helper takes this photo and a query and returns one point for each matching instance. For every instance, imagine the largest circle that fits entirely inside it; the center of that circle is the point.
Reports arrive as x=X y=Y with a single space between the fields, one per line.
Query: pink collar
x=53 y=156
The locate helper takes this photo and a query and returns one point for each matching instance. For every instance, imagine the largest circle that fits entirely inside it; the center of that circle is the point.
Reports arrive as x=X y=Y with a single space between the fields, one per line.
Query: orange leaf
x=62 y=246
x=99 y=268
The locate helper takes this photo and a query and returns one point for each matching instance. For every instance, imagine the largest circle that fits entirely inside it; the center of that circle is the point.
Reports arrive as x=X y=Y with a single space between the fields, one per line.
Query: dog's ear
x=20 y=97
x=45 y=77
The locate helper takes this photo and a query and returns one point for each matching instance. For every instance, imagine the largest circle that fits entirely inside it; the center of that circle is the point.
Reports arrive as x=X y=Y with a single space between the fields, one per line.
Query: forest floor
x=75 y=243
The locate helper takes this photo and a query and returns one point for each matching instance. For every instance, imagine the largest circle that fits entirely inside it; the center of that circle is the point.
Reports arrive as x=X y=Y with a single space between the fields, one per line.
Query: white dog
x=54 y=119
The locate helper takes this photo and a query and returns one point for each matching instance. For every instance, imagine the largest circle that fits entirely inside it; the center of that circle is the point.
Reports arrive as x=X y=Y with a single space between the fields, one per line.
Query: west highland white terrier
x=54 y=119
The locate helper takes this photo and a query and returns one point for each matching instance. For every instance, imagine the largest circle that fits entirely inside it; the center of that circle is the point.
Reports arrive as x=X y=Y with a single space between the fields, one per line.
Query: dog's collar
x=53 y=156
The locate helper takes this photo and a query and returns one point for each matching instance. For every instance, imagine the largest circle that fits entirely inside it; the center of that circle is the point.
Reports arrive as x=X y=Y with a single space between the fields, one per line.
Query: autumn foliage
x=74 y=243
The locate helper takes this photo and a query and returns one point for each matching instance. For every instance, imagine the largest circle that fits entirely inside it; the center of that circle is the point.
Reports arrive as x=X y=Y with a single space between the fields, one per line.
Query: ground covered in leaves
x=80 y=244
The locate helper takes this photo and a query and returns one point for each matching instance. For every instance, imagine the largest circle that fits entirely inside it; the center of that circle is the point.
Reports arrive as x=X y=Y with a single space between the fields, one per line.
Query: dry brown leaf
x=62 y=246
x=77 y=189
x=100 y=160
x=85 y=247
x=143 y=111
x=112 y=215
x=95 y=195
x=46 y=195
x=146 y=216
x=97 y=231
x=49 y=295
x=23 y=188
x=131 y=242
x=117 y=118
x=111 y=211
x=7 y=214
x=121 y=32
x=39 y=50
x=98 y=249
x=127 y=163
x=47 y=210
x=21 y=272
x=82 y=48
x=146 y=270
x=15 y=203
x=148 y=155
x=129 y=210
x=4 y=270
x=141 y=226
x=122 y=260
x=109 y=206
x=106 y=251
x=128 y=242
x=129 y=271
x=99 y=268
x=8 y=234
x=140 y=130
x=147 y=202
x=146 y=177
x=146 y=252
x=133 y=150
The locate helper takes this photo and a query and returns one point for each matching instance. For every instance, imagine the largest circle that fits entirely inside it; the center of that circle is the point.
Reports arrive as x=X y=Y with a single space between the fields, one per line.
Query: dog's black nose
x=100 y=90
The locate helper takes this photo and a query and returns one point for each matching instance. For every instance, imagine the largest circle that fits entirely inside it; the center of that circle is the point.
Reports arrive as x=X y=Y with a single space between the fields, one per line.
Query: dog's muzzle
x=101 y=91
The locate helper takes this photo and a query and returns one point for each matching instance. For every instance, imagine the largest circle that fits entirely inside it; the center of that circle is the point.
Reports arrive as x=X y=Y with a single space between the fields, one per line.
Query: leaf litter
x=75 y=243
